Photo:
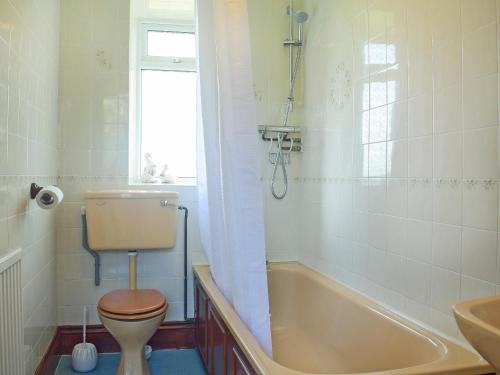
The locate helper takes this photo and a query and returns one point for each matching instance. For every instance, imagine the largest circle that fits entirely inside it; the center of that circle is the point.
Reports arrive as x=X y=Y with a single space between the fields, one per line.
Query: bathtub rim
x=453 y=355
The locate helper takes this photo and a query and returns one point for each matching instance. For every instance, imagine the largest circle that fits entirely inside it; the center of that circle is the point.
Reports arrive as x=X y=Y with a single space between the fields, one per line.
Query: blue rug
x=162 y=362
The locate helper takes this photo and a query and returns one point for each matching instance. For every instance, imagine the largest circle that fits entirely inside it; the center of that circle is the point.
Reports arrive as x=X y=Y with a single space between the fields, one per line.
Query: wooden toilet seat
x=135 y=304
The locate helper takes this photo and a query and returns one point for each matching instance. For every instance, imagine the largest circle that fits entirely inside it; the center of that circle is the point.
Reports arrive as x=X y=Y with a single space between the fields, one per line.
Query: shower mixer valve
x=273 y=158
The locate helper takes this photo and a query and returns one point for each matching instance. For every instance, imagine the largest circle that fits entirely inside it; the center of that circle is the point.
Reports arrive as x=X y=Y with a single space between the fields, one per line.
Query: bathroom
x=335 y=161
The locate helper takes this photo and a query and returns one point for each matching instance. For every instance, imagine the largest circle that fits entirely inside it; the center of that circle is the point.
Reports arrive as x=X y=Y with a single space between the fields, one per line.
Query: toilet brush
x=84 y=355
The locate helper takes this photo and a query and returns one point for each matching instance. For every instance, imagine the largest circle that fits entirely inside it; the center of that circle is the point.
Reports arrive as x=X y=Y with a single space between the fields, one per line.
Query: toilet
x=132 y=317
x=131 y=221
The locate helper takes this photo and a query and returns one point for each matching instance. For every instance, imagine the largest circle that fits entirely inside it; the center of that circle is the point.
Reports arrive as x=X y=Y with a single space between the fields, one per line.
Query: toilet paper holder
x=46 y=197
x=34 y=190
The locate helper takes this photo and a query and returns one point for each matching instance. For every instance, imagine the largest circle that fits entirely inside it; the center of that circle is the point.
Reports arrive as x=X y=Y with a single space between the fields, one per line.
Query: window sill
x=184 y=182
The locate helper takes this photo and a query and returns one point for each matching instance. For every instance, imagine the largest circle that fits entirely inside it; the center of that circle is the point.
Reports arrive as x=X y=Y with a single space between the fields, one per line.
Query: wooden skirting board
x=48 y=364
x=170 y=335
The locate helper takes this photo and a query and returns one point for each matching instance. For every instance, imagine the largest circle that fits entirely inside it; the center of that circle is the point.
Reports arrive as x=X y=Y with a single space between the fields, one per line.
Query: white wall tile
x=378 y=124
x=395 y=300
x=377 y=160
x=377 y=195
x=397 y=120
x=397 y=158
x=4 y=55
x=361 y=94
x=420 y=72
x=444 y=323
x=419 y=243
x=476 y=13
x=418 y=311
x=420 y=115
x=394 y=277
x=377 y=21
x=480 y=205
x=447 y=64
x=420 y=154
x=447 y=203
x=448 y=155
x=479 y=254
x=76 y=163
x=397 y=235
x=418 y=281
x=420 y=199
x=378 y=89
x=361 y=195
x=397 y=197
x=376 y=269
x=481 y=153
x=480 y=51
x=362 y=127
x=447 y=246
x=397 y=80
x=445 y=289
x=448 y=109
x=480 y=97
x=377 y=231
x=474 y=288
x=419 y=26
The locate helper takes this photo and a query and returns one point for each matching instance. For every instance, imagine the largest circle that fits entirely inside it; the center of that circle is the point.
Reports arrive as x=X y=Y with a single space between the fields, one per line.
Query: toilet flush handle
x=165 y=203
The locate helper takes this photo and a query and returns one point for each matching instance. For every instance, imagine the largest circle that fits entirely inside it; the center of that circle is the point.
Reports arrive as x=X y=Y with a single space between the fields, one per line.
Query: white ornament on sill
x=166 y=176
x=148 y=174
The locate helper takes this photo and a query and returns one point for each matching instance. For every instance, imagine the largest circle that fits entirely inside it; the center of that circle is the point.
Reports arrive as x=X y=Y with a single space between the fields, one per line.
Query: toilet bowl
x=132 y=317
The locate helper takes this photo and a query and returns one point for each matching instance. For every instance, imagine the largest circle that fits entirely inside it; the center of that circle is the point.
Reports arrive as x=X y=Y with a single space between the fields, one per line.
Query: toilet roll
x=49 y=197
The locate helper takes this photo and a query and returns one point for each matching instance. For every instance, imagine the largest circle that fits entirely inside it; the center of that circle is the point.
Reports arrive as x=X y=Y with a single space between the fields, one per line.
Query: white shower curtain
x=229 y=192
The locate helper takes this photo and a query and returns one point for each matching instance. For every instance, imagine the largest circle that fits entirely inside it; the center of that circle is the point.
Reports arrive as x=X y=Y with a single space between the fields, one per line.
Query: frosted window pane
x=169 y=120
x=173 y=44
x=171 y=9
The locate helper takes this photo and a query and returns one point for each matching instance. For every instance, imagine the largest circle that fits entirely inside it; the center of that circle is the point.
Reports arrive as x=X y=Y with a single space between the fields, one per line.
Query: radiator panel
x=11 y=317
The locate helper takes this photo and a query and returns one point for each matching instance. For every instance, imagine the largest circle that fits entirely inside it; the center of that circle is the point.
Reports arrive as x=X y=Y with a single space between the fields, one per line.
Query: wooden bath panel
x=218 y=349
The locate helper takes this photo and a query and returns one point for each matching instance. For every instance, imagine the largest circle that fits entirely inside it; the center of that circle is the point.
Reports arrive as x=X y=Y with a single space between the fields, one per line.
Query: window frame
x=161 y=63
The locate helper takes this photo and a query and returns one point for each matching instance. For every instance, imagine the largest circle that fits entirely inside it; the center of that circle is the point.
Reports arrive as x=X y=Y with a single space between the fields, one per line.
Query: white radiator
x=11 y=317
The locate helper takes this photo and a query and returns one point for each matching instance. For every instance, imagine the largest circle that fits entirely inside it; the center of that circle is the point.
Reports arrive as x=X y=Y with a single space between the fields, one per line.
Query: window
x=166 y=100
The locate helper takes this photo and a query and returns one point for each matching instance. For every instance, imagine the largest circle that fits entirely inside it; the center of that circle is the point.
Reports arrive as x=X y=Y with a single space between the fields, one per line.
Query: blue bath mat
x=162 y=362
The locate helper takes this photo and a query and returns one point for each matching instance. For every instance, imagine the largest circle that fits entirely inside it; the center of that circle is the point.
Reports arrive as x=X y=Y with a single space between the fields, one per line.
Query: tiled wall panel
x=409 y=160
x=29 y=138
x=94 y=95
x=94 y=118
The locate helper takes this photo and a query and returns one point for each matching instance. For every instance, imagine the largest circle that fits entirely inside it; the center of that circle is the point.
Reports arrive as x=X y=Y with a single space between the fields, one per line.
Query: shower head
x=301 y=16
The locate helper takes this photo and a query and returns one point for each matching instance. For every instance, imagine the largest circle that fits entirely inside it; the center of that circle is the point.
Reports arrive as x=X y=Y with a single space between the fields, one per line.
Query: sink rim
x=463 y=310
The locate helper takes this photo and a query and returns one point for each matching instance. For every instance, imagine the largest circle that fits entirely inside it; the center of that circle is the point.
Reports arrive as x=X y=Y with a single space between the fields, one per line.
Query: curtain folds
x=229 y=191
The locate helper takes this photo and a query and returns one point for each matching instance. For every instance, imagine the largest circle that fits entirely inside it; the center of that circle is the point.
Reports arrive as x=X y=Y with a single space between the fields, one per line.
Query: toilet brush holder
x=84 y=356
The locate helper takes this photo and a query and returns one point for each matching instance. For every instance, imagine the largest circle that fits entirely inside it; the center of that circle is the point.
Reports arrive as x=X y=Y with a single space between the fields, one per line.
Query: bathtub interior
x=316 y=329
